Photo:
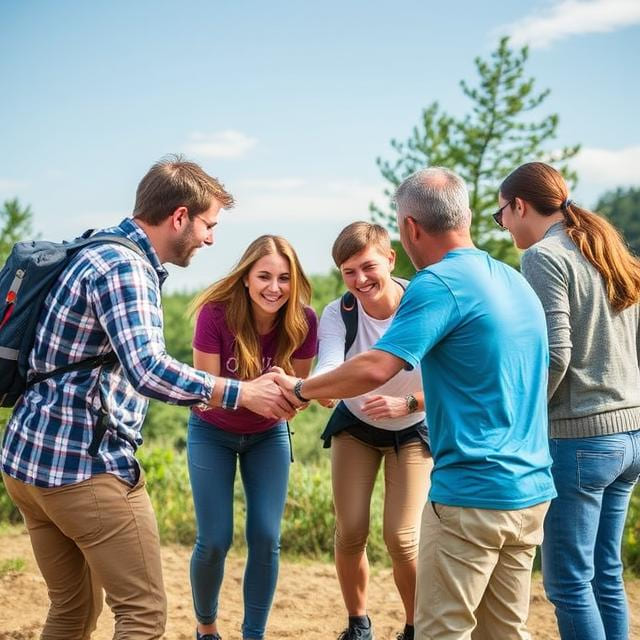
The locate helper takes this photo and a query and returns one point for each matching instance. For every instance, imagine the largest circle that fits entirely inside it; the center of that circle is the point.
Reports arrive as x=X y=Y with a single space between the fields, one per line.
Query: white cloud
x=221 y=144
x=572 y=17
x=608 y=168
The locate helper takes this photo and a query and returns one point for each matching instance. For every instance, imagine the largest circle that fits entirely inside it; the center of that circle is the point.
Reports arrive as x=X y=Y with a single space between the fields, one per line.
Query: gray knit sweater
x=594 y=380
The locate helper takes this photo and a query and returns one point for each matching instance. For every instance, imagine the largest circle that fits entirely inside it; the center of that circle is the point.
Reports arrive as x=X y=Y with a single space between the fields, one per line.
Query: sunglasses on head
x=497 y=216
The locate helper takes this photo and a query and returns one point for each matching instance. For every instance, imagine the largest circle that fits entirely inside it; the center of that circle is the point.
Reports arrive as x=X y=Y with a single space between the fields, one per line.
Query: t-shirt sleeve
x=309 y=347
x=209 y=325
x=427 y=313
x=331 y=335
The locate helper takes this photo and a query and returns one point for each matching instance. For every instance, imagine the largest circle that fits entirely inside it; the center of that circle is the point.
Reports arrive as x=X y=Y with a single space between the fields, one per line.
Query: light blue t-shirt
x=478 y=331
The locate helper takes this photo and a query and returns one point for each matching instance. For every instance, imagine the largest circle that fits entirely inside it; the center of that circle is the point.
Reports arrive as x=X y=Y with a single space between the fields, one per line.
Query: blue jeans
x=581 y=551
x=264 y=468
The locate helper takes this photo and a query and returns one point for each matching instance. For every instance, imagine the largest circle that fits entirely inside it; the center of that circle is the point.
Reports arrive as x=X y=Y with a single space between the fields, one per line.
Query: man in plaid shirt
x=89 y=516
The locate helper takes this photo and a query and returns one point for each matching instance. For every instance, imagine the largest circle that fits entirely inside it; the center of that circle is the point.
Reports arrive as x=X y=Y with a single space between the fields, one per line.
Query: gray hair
x=437 y=198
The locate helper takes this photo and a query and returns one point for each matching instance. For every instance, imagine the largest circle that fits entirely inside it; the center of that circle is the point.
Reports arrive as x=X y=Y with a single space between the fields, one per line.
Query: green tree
x=404 y=267
x=496 y=135
x=178 y=325
x=325 y=289
x=15 y=225
x=622 y=208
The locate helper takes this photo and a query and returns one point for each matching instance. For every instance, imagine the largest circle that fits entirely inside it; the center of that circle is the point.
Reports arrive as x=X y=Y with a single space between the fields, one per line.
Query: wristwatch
x=297 y=390
x=412 y=403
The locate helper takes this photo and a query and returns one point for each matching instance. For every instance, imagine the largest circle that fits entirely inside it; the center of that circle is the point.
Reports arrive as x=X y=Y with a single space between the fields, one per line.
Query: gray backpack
x=25 y=281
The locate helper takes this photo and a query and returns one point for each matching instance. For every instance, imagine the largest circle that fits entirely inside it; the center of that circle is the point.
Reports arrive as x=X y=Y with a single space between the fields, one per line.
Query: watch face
x=412 y=404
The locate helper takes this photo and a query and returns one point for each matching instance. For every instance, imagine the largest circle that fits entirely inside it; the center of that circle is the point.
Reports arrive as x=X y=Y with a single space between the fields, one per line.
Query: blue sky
x=288 y=103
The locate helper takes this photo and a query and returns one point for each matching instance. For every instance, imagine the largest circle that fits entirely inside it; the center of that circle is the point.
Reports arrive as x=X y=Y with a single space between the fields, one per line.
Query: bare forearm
x=356 y=376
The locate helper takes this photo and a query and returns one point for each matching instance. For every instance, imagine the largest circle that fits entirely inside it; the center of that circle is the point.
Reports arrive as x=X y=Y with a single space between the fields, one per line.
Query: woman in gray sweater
x=589 y=286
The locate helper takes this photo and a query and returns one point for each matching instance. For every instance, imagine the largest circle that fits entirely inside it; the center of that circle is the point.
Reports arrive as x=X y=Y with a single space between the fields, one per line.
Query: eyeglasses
x=207 y=223
x=497 y=216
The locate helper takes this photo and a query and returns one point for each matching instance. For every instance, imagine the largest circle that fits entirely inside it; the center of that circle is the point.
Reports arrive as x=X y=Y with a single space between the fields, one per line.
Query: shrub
x=308 y=523
x=631 y=538
x=12 y=565
x=170 y=492
x=165 y=425
x=8 y=511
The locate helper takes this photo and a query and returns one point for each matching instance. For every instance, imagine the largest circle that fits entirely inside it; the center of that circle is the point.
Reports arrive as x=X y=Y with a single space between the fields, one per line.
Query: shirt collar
x=555 y=229
x=129 y=228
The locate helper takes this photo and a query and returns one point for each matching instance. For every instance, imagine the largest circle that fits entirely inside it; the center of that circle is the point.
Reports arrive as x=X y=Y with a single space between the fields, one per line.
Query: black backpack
x=349 y=313
x=25 y=281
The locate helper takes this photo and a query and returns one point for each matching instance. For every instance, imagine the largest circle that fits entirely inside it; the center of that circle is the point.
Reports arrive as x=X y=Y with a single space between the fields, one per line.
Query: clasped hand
x=271 y=396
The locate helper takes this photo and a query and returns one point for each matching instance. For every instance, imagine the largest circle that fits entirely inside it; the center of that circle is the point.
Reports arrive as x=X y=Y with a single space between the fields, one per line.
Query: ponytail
x=596 y=238
x=601 y=244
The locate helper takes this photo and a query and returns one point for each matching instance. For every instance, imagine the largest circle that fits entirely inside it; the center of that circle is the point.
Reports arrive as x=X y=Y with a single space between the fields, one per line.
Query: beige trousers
x=354 y=467
x=100 y=533
x=474 y=572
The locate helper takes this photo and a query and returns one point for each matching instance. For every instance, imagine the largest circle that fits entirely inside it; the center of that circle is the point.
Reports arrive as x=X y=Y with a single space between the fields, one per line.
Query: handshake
x=272 y=395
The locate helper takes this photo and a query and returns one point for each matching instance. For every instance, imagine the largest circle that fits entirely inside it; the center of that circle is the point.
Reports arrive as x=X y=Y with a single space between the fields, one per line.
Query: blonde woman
x=589 y=286
x=253 y=319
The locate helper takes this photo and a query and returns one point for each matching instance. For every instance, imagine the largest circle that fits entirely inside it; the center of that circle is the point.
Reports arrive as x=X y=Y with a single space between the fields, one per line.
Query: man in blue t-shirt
x=478 y=332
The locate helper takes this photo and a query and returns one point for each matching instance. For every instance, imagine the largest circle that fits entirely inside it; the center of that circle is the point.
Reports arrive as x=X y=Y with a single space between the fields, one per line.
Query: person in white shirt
x=385 y=425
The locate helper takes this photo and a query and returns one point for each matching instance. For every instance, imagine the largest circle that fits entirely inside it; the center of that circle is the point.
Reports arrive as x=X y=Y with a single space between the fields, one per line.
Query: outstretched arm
x=262 y=395
x=356 y=376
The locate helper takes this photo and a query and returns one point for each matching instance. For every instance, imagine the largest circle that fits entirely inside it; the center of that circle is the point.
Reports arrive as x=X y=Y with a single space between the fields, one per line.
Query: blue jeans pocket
x=598 y=469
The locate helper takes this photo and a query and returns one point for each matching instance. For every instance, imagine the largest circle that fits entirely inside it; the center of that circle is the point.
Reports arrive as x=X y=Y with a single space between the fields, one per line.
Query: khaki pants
x=99 y=533
x=354 y=467
x=474 y=572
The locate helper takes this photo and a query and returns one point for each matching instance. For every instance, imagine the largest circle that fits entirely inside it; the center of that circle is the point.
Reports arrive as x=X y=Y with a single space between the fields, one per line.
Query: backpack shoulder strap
x=349 y=313
x=105 y=359
x=101 y=238
x=401 y=281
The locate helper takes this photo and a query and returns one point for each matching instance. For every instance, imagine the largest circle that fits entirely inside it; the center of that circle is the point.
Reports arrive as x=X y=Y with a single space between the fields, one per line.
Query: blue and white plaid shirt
x=107 y=298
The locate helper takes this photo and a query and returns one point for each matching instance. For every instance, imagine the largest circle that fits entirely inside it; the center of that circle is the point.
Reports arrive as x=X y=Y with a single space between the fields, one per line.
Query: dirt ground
x=307 y=603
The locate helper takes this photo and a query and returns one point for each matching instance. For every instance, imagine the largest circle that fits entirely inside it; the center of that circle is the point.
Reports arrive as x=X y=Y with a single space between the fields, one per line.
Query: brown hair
x=292 y=319
x=358 y=236
x=596 y=238
x=174 y=182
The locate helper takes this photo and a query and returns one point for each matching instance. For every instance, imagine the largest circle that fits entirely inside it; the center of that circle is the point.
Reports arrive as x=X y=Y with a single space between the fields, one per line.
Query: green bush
x=170 y=492
x=631 y=539
x=12 y=565
x=8 y=511
x=165 y=425
x=308 y=523
x=306 y=428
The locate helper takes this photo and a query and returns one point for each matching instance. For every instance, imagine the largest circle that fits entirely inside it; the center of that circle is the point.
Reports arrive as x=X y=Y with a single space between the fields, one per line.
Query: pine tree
x=497 y=134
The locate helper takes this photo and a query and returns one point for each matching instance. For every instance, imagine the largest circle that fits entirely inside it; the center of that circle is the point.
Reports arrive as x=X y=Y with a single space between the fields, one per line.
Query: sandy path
x=307 y=605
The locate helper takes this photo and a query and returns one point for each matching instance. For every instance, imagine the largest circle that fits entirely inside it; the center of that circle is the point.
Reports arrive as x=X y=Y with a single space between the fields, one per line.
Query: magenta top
x=212 y=335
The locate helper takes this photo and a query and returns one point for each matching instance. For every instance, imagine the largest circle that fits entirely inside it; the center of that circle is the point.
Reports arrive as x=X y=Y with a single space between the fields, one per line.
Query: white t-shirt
x=332 y=335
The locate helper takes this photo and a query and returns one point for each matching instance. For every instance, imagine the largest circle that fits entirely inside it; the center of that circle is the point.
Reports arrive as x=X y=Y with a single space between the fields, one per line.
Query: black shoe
x=356 y=632
x=407 y=634
x=207 y=636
